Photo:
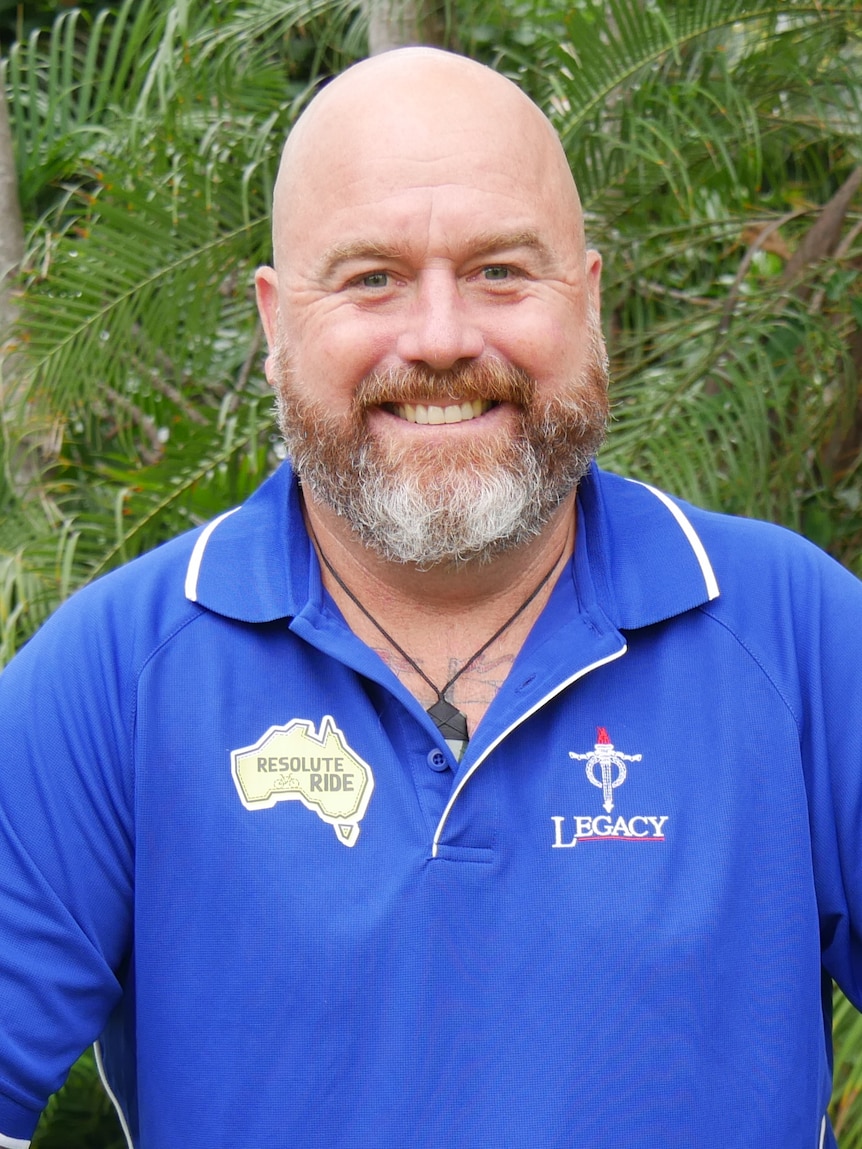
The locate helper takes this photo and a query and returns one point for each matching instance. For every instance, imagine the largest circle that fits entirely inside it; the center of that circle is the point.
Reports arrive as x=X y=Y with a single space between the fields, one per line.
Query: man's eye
x=375 y=279
x=496 y=272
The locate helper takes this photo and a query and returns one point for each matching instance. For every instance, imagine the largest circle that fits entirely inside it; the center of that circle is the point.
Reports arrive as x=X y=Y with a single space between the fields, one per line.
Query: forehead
x=439 y=160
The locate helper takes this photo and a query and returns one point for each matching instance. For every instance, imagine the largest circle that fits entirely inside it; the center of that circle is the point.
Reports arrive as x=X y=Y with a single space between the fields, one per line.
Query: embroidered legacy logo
x=601 y=762
x=295 y=763
x=606 y=769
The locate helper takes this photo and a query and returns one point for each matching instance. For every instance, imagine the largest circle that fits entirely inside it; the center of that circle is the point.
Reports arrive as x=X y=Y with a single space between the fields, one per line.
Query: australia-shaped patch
x=296 y=763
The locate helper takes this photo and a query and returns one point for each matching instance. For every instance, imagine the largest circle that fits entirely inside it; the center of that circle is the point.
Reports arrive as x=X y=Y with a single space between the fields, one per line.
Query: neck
x=481 y=586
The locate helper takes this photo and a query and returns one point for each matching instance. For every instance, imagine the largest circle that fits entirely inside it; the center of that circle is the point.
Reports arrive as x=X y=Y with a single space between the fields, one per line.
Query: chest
x=625 y=769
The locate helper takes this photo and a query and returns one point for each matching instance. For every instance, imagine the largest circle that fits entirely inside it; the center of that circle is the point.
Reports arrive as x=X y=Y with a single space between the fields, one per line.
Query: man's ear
x=594 y=277
x=266 y=288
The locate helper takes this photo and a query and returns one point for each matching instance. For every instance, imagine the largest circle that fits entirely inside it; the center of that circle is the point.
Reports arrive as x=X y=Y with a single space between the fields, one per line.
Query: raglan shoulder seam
x=195 y=612
x=710 y=611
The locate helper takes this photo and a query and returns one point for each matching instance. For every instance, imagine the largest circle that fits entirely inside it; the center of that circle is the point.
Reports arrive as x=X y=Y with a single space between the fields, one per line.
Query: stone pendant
x=450 y=721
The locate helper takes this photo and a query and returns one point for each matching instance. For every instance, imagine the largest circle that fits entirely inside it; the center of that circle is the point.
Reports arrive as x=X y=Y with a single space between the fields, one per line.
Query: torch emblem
x=602 y=761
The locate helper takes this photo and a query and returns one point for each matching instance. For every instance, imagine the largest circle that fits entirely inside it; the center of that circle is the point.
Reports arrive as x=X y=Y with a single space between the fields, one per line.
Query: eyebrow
x=341 y=253
x=482 y=244
x=490 y=241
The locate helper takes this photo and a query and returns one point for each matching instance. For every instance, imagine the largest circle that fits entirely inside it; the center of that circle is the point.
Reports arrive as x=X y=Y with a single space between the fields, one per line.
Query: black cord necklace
x=449 y=720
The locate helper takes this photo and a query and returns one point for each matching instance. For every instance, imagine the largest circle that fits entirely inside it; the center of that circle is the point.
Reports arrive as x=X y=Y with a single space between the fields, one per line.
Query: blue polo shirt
x=234 y=846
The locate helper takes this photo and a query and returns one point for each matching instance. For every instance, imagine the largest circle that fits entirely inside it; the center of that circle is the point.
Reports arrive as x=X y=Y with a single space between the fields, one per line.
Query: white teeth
x=429 y=413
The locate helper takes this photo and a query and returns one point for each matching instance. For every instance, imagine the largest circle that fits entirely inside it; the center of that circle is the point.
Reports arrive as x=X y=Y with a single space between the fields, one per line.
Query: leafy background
x=718 y=148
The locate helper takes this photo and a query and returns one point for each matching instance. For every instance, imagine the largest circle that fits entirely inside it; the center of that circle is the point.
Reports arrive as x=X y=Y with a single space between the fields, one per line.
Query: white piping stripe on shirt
x=100 y=1065
x=12 y=1142
x=194 y=567
x=692 y=537
x=822 y=1141
x=561 y=686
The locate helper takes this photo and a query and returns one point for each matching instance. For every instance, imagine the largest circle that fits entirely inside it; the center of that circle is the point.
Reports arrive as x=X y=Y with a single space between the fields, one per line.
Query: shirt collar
x=255 y=563
x=645 y=558
x=638 y=550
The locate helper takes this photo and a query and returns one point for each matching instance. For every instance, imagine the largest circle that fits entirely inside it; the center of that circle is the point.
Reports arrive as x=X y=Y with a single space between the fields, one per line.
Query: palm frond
x=139 y=293
x=66 y=84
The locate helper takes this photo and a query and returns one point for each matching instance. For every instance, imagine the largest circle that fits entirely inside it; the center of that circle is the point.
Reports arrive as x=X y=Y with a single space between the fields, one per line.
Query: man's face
x=434 y=321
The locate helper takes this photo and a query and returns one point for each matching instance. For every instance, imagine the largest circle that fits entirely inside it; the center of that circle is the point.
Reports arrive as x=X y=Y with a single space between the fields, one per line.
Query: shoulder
x=108 y=628
x=735 y=546
x=665 y=556
x=754 y=558
x=218 y=568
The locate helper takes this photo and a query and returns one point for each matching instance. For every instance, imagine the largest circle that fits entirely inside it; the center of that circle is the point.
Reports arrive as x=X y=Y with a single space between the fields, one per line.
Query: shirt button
x=437 y=760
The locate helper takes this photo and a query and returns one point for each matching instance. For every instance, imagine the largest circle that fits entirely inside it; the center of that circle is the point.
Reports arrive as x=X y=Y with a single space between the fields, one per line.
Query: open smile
x=437 y=414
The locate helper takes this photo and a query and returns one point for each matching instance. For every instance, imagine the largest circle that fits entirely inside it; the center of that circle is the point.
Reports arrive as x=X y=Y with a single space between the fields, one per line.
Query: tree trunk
x=399 y=23
x=11 y=227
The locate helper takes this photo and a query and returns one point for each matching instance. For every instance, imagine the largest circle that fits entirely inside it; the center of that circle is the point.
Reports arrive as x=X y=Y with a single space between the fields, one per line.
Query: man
x=453 y=794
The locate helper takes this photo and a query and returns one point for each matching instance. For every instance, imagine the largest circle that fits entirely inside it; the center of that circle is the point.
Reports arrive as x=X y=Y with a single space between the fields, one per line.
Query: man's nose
x=439 y=329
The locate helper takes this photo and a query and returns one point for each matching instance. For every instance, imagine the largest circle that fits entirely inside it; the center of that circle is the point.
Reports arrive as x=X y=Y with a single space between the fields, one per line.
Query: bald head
x=424 y=106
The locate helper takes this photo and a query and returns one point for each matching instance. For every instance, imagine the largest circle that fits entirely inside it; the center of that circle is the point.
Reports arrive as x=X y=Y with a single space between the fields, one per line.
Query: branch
x=759 y=243
x=822 y=239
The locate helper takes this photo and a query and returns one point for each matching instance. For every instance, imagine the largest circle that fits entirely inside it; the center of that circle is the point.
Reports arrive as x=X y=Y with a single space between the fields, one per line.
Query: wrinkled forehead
x=419 y=116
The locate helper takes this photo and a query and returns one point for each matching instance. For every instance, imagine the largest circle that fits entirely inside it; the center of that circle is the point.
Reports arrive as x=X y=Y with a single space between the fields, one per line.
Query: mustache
x=490 y=379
